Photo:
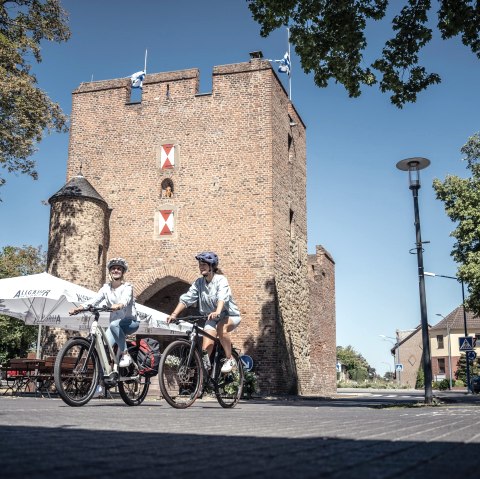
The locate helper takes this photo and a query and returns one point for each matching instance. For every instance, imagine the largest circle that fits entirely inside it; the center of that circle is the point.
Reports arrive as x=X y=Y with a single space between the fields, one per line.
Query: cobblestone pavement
x=334 y=438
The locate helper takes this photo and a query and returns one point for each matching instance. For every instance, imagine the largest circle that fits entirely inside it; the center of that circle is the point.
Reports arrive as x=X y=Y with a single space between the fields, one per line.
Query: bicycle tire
x=76 y=384
x=180 y=383
x=134 y=391
x=229 y=386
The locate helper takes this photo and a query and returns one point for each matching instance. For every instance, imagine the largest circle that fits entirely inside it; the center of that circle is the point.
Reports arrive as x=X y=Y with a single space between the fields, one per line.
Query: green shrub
x=249 y=384
x=444 y=384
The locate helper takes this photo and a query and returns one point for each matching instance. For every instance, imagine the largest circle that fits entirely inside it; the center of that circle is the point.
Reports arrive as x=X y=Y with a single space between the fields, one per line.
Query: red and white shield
x=166 y=222
x=167 y=157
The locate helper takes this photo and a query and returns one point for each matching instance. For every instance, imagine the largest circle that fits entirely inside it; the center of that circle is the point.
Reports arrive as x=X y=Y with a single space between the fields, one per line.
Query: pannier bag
x=148 y=357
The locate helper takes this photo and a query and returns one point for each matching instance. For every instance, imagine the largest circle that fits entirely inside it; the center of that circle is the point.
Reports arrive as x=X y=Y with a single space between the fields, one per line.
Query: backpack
x=148 y=357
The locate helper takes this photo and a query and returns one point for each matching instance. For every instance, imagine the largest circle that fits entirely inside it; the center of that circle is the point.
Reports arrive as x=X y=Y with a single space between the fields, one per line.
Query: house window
x=440 y=341
x=477 y=340
x=441 y=365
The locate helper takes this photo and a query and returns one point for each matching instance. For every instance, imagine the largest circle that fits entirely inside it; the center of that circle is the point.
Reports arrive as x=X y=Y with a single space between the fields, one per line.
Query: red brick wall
x=238 y=190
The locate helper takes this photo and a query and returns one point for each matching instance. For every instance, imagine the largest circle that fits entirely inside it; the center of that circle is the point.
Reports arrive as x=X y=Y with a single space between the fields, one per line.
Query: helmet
x=118 y=262
x=208 y=257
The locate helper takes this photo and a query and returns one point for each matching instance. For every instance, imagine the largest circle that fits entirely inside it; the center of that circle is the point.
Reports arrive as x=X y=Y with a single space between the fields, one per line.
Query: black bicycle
x=83 y=363
x=184 y=376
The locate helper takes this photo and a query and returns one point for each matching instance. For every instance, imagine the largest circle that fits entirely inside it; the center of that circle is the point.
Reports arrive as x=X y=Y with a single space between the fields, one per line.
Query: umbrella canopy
x=44 y=300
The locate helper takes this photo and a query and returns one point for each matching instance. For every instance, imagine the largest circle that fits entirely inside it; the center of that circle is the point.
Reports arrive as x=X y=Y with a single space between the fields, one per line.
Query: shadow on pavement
x=32 y=452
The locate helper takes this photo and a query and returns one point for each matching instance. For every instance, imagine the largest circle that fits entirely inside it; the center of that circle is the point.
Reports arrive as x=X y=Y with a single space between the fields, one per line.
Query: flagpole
x=290 y=72
x=145 y=69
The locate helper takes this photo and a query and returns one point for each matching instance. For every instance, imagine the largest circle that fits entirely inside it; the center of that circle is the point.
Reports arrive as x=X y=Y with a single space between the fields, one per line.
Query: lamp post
x=469 y=387
x=396 y=357
x=413 y=166
x=449 y=350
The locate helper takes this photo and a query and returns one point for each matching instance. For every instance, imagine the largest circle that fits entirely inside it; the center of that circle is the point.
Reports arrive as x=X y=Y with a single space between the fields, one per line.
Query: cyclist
x=117 y=295
x=215 y=300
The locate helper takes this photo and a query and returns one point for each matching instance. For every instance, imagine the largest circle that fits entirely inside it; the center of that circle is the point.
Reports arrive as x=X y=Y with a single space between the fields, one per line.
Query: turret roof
x=78 y=186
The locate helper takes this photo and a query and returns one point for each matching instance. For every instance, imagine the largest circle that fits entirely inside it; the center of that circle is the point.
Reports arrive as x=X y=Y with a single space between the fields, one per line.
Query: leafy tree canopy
x=461 y=198
x=15 y=337
x=329 y=38
x=26 y=111
x=356 y=365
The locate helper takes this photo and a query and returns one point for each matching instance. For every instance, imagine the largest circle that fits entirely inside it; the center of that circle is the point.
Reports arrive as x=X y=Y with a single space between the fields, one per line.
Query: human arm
x=95 y=301
x=215 y=314
x=173 y=316
x=126 y=297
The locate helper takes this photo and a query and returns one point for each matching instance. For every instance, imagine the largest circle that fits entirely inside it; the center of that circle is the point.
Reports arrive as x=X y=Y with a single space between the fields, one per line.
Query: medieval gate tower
x=159 y=180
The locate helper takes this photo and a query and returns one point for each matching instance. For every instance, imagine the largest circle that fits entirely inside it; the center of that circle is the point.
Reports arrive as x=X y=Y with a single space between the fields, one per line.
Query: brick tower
x=183 y=172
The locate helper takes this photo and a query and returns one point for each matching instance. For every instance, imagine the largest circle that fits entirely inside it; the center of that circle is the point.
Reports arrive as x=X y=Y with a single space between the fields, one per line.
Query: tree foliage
x=26 y=111
x=357 y=366
x=461 y=198
x=329 y=38
x=461 y=371
x=16 y=338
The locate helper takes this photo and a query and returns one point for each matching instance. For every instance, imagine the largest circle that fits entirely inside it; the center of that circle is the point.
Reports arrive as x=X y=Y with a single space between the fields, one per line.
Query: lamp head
x=413 y=166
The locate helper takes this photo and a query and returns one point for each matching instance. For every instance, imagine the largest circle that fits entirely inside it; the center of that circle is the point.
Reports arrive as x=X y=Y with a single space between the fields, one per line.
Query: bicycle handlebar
x=94 y=309
x=189 y=319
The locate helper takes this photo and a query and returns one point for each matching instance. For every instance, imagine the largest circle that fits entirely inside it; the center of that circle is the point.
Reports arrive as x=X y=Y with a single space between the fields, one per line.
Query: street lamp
x=449 y=350
x=469 y=387
x=413 y=166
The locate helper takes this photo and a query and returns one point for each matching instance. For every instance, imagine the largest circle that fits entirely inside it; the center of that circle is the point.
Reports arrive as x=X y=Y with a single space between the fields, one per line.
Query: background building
x=160 y=179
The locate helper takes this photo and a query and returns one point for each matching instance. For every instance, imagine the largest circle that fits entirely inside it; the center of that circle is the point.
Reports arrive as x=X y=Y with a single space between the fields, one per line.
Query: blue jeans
x=118 y=329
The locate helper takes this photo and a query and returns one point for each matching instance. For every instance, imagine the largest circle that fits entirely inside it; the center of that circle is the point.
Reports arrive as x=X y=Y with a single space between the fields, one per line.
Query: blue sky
x=359 y=205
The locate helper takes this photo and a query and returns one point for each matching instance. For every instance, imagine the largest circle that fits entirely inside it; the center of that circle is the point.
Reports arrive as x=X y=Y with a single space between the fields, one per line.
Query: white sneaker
x=125 y=361
x=228 y=365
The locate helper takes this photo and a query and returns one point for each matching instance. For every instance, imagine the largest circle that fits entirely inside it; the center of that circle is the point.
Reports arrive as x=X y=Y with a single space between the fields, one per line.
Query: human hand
x=171 y=318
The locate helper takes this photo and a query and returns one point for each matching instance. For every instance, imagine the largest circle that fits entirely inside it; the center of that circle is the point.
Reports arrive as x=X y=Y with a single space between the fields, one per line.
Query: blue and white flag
x=284 y=64
x=137 y=79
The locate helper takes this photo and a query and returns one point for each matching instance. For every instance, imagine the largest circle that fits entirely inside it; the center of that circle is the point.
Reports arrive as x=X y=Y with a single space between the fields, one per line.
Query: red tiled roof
x=456 y=321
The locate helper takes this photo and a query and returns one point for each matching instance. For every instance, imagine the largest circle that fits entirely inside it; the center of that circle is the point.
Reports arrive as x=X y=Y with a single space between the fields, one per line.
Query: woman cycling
x=215 y=299
x=117 y=295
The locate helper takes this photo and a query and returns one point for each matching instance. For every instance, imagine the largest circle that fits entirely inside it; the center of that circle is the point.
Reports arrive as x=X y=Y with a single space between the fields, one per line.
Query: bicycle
x=183 y=376
x=83 y=363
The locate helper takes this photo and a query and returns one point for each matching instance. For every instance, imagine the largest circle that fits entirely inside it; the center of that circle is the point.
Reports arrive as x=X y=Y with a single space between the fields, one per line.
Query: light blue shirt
x=209 y=294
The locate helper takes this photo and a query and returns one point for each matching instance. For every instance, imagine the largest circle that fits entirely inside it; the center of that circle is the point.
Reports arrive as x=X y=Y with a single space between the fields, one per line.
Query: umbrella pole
x=39 y=337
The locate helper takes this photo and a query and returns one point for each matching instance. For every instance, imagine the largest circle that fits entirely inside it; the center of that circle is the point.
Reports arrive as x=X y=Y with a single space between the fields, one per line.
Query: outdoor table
x=28 y=380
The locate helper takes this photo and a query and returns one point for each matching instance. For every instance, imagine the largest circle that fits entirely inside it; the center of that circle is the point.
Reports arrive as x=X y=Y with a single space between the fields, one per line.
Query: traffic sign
x=399 y=367
x=247 y=362
x=466 y=343
x=471 y=355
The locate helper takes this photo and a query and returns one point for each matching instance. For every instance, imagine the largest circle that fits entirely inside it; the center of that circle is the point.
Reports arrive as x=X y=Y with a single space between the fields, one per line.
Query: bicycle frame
x=98 y=341
x=217 y=346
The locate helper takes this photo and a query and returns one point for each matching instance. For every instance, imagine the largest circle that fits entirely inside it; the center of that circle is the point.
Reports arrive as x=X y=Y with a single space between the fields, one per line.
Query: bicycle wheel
x=229 y=386
x=180 y=382
x=134 y=391
x=76 y=373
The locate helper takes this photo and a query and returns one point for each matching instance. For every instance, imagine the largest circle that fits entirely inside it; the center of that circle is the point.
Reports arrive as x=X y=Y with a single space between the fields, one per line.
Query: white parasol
x=44 y=300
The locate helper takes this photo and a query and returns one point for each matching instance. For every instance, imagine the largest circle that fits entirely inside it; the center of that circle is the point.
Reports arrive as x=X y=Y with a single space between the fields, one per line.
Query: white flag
x=284 y=64
x=137 y=79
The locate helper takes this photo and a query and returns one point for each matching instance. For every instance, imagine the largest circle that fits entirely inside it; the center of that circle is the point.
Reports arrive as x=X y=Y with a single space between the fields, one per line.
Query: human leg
x=225 y=326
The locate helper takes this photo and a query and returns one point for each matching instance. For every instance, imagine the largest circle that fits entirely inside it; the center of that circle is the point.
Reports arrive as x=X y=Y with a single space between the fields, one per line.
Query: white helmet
x=118 y=262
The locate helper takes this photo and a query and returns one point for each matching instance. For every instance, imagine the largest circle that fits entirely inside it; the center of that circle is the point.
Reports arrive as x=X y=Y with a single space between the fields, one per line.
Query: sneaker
x=228 y=365
x=125 y=361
